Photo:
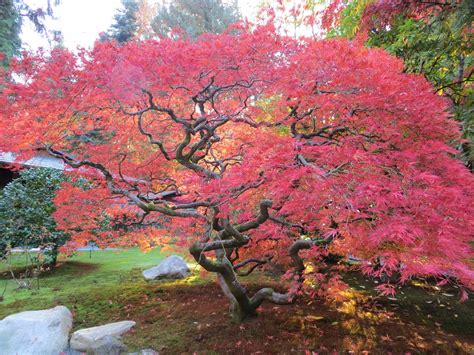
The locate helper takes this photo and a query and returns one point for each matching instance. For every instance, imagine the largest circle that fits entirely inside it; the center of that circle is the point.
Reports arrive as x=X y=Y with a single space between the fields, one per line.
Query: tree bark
x=241 y=305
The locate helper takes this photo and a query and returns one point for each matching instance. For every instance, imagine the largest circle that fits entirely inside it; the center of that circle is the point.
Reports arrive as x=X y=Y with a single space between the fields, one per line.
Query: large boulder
x=89 y=339
x=173 y=267
x=42 y=332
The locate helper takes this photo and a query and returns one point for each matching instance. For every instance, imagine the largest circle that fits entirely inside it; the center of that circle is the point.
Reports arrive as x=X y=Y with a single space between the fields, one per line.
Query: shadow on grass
x=70 y=267
x=422 y=302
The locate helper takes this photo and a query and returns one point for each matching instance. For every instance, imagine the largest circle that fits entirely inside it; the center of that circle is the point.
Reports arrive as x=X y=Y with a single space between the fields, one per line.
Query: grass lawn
x=191 y=315
x=84 y=273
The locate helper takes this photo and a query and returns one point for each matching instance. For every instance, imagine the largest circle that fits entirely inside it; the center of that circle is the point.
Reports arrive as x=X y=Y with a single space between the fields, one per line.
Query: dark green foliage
x=125 y=26
x=94 y=136
x=196 y=17
x=26 y=208
x=10 y=24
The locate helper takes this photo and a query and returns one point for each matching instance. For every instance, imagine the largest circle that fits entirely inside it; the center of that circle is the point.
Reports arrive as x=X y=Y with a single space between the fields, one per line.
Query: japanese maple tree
x=251 y=147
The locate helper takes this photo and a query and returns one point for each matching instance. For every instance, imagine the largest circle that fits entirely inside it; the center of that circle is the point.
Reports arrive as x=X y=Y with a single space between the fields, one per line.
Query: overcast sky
x=81 y=21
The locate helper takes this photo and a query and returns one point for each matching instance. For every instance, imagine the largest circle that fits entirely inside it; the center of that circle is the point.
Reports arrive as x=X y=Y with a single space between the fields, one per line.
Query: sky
x=81 y=21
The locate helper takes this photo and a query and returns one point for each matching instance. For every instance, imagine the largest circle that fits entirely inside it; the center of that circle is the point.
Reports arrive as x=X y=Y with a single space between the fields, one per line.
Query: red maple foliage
x=245 y=145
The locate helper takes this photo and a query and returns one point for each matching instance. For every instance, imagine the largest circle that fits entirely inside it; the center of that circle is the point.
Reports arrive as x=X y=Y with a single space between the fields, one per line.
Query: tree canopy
x=249 y=147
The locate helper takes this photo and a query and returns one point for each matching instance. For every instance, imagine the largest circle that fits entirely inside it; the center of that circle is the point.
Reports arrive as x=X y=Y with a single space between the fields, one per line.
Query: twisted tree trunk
x=229 y=238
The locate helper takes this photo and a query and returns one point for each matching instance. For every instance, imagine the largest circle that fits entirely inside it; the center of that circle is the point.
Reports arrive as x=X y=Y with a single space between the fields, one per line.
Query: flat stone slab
x=173 y=267
x=85 y=339
x=44 y=332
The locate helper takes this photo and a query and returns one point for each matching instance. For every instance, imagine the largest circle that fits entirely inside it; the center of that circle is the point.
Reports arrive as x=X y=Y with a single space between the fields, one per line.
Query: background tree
x=434 y=39
x=145 y=14
x=12 y=13
x=250 y=147
x=195 y=16
x=26 y=208
x=10 y=26
x=125 y=26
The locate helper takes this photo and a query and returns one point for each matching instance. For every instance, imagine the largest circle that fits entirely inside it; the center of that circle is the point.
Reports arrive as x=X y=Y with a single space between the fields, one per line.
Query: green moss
x=84 y=275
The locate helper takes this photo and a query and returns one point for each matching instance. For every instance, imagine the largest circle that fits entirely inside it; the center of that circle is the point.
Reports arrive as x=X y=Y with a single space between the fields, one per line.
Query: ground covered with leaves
x=191 y=315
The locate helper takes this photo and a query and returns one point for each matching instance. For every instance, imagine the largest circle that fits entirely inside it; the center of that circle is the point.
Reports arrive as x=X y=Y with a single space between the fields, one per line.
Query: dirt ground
x=193 y=319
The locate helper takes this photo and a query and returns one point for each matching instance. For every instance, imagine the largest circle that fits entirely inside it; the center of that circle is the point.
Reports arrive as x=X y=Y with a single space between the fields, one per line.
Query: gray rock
x=147 y=351
x=85 y=339
x=108 y=345
x=173 y=267
x=42 y=332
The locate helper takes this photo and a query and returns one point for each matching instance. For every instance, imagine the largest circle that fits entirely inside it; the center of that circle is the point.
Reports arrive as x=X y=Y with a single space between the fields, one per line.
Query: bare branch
x=151 y=139
x=257 y=263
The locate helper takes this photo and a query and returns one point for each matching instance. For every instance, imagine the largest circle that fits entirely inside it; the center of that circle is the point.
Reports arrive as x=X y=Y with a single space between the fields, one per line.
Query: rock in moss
x=89 y=339
x=173 y=267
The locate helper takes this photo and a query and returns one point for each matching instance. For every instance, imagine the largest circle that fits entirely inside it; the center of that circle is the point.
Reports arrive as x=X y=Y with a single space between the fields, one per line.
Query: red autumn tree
x=251 y=147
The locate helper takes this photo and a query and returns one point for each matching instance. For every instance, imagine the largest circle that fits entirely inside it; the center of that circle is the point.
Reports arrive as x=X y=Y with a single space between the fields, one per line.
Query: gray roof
x=41 y=159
